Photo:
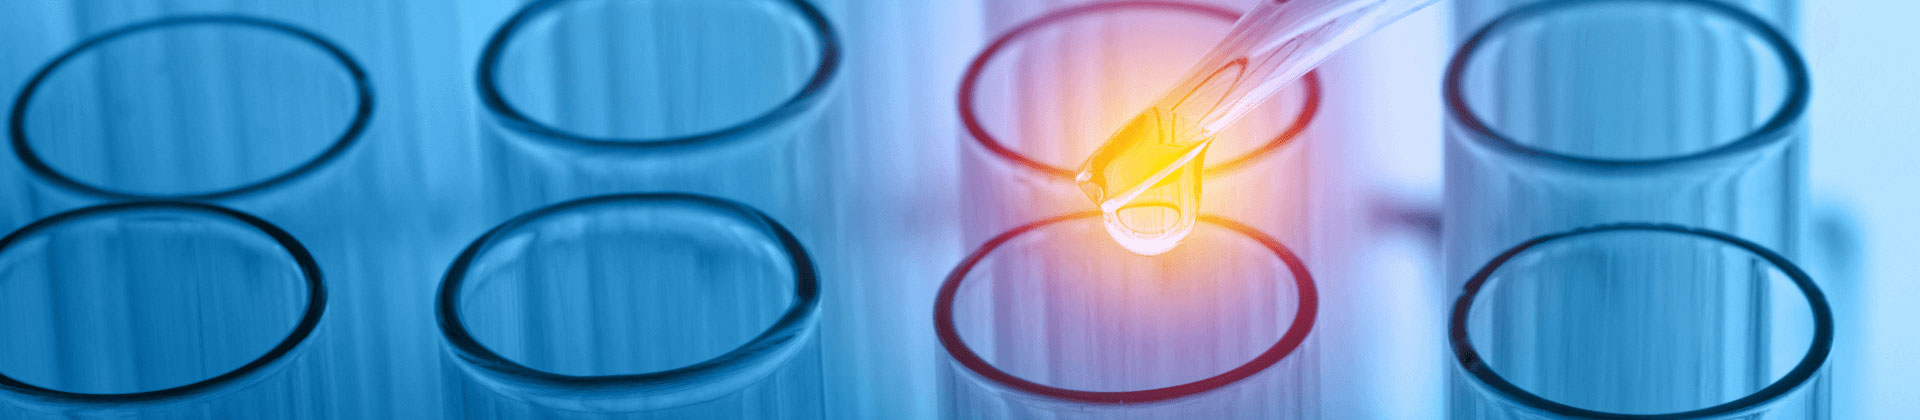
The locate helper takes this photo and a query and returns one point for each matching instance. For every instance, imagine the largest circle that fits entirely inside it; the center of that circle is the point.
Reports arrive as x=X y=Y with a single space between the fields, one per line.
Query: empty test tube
x=189 y=107
x=158 y=310
x=697 y=74
x=589 y=97
x=1564 y=115
x=1470 y=15
x=1055 y=321
x=649 y=306
x=1636 y=321
x=1552 y=125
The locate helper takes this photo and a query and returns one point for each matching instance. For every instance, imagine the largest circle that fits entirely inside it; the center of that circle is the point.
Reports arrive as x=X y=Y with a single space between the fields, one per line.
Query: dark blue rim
x=1802 y=373
x=806 y=99
x=1779 y=128
x=310 y=270
x=363 y=112
x=785 y=333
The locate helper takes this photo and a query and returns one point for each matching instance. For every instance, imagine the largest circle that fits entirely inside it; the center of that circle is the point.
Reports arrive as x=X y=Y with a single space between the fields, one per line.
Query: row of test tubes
x=1625 y=186
x=1609 y=261
x=203 y=233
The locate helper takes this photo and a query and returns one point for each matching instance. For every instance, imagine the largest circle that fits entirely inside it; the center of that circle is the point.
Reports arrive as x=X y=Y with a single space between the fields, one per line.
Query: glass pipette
x=1146 y=178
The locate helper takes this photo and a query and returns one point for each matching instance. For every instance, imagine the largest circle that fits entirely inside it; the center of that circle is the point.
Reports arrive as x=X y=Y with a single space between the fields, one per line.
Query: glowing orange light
x=1146 y=180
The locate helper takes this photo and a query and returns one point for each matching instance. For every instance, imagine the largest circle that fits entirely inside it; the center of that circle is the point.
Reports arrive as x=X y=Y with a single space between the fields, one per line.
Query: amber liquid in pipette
x=1146 y=179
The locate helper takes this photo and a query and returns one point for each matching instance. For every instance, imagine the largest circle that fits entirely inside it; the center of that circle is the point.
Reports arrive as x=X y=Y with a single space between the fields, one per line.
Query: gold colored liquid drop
x=1146 y=180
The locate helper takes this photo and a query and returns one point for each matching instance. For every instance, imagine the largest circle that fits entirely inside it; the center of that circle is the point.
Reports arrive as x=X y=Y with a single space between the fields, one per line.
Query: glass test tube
x=196 y=107
x=1054 y=320
x=593 y=97
x=1653 y=322
x=1042 y=96
x=1563 y=115
x=158 y=310
x=647 y=306
x=1700 y=123
x=1469 y=15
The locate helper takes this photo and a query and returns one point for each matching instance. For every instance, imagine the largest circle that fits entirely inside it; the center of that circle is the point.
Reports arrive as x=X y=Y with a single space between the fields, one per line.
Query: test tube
x=1672 y=111
x=1563 y=115
x=1043 y=95
x=1469 y=15
x=589 y=97
x=643 y=306
x=158 y=310
x=1566 y=114
x=1054 y=320
x=1651 y=323
x=197 y=107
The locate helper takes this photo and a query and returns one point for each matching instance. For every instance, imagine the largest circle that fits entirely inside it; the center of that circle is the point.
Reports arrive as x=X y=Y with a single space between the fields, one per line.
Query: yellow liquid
x=1146 y=180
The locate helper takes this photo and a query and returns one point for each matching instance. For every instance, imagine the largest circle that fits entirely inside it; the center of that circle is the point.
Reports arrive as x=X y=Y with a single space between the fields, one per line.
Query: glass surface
x=1564 y=115
x=592 y=97
x=1470 y=15
x=1642 y=321
x=190 y=107
x=656 y=71
x=1056 y=321
x=1041 y=97
x=652 y=306
x=156 y=310
x=1627 y=80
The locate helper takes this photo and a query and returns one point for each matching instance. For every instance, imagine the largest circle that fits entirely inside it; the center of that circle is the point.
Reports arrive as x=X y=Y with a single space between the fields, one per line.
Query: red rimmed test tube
x=1054 y=320
x=1041 y=97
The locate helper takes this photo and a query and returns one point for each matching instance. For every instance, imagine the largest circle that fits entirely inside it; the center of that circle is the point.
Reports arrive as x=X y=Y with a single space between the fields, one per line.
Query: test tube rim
x=1805 y=371
x=803 y=101
x=254 y=370
x=977 y=67
x=362 y=114
x=1296 y=334
x=745 y=363
x=1777 y=129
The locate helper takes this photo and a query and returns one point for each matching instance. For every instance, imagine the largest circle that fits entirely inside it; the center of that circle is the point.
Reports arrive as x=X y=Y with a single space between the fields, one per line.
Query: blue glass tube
x=1469 y=15
x=1053 y=320
x=1563 y=115
x=1701 y=122
x=1044 y=94
x=646 y=306
x=200 y=107
x=158 y=310
x=591 y=97
x=1651 y=323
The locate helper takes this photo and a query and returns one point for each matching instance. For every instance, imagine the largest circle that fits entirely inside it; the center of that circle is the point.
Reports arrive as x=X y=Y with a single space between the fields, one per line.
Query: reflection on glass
x=158 y=310
x=650 y=306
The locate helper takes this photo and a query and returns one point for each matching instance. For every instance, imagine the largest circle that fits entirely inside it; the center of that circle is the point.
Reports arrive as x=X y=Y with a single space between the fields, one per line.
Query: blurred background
x=370 y=133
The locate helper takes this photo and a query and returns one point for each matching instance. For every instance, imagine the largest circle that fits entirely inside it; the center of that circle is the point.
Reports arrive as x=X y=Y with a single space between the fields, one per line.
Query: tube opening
x=149 y=301
x=1055 y=309
x=629 y=302
x=190 y=107
x=1073 y=76
x=1641 y=321
x=1626 y=83
x=656 y=73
